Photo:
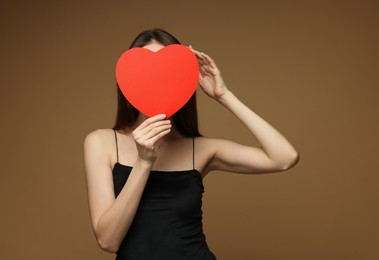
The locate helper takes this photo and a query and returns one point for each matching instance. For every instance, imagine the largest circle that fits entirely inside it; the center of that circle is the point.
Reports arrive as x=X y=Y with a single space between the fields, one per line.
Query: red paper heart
x=158 y=82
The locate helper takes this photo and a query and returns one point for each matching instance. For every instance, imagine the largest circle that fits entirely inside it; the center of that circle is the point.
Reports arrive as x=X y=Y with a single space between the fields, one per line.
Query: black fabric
x=168 y=222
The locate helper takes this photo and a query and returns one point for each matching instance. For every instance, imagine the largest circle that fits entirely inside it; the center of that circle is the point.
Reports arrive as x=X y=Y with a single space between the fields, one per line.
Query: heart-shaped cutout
x=158 y=82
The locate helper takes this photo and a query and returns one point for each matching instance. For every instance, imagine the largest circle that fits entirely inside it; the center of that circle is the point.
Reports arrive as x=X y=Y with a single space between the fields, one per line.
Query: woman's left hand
x=210 y=79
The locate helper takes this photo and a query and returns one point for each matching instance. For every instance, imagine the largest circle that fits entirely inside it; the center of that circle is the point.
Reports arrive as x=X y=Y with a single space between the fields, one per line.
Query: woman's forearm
x=114 y=223
x=273 y=143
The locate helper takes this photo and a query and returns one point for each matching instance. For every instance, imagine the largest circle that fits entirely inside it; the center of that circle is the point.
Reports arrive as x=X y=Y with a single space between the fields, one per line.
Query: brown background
x=309 y=68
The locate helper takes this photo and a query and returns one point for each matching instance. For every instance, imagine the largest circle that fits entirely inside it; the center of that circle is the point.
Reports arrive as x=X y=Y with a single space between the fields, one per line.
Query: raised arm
x=111 y=217
x=275 y=154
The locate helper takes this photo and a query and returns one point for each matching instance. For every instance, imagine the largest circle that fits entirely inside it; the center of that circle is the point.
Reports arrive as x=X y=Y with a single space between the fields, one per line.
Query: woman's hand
x=210 y=79
x=148 y=133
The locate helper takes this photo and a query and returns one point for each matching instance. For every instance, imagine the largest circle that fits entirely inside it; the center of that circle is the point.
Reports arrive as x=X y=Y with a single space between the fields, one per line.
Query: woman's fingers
x=159 y=136
x=210 y=65
x=207 y=65
x=210 y=61
x=150 y=121
x=195 y=51
x=150 y=127
x=156 y=131
x=204 y=71
x=146 y=135
x=202 y=60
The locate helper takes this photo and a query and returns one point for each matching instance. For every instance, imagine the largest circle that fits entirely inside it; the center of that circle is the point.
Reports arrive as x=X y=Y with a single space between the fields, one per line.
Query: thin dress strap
x=193 y=152
x=115 y=136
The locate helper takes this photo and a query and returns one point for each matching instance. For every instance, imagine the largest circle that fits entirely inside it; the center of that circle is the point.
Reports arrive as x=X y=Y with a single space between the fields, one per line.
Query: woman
x=144 y=176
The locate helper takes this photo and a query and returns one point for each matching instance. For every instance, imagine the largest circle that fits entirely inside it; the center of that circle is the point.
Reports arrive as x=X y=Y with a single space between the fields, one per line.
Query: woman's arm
x=111 y=217
x=276 y=153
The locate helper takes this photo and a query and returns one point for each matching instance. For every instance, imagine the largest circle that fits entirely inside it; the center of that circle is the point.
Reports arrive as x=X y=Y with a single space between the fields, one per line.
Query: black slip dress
x=168 y=222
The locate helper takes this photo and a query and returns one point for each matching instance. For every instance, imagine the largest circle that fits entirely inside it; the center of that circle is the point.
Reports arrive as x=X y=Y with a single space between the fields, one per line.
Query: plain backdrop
x=309 y=68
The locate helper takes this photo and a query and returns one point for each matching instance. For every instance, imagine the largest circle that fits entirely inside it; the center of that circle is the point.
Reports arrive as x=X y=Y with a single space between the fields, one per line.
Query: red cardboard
x=158 y=82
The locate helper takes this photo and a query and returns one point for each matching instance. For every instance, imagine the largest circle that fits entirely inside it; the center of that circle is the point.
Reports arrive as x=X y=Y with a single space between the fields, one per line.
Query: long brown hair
x=185 y=120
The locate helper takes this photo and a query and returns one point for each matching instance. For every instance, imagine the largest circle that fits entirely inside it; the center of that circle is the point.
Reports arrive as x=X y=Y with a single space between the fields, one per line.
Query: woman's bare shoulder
x=208 y=146
x=98 y=145
x=206 y=149
x=100 y=134
x=100 y=138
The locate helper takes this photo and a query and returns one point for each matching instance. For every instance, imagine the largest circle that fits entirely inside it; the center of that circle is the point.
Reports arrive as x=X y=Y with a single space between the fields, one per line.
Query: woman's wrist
x=225 y=98
x=144 y=164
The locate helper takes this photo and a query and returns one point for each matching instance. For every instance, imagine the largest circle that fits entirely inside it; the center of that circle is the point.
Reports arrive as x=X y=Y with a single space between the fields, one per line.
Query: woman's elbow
x=107 y=246
x=291 y=161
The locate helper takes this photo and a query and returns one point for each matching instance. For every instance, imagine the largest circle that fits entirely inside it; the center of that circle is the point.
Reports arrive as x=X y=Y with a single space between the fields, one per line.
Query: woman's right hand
x=148 y=133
